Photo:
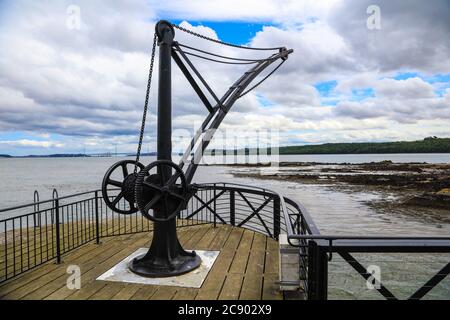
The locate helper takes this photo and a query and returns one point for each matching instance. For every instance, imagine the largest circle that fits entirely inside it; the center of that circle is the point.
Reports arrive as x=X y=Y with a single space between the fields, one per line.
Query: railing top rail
x=246 y=187
x=290 y=232
x=47 y=201
x=240 y=185
x=377 y=237
x=408 y=244
x=310 y=224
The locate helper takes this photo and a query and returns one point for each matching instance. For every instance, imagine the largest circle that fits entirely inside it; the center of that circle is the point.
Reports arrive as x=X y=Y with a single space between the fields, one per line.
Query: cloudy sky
x=79 y=85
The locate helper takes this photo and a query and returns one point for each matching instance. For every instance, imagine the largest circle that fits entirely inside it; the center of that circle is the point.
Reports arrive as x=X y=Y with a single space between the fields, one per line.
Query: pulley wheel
x=161 y=187
x=125 y=182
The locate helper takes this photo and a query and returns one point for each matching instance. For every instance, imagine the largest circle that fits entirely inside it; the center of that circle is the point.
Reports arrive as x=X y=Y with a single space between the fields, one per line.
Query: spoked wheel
x=162 y=187
x=125 y=183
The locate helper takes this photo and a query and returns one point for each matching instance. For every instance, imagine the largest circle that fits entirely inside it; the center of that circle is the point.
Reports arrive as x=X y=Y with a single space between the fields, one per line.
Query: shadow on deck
x=246 y=268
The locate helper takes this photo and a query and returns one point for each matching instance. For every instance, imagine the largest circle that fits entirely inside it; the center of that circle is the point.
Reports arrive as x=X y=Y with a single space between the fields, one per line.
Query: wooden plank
x=253 y=281
x=44 y=269
x=112 y=258
x=192 y=241
x=221 y=237
x=90 y=269
x=30 y=239
x=164 y=293
x=51 y=275
x=231 y=287
x=144 y=293
x=205 y=241
x=108 y=291
x=211 y=287
x=29 y=243
x=272 y=256
x=185 y=294
x=251 y=287
x=255 y=263
x=128 y=290
x=46 y=245
x=239 y=263
x=24 y=252
x=247 y=268
x=213 y=283
x=233 y=240
x=87 y=291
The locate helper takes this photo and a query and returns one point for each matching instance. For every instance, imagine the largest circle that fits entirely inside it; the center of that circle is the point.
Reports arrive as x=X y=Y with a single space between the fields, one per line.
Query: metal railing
x=38 y=232
x=42 y=231
x=270 y=213
x=253 y=208
x=316 y=252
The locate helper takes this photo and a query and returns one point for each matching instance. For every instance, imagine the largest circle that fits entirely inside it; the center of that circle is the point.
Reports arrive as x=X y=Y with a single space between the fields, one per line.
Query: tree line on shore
x=427 y=145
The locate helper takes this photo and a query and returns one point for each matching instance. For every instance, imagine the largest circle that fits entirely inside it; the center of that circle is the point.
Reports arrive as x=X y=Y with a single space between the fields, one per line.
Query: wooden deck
x=246 y=268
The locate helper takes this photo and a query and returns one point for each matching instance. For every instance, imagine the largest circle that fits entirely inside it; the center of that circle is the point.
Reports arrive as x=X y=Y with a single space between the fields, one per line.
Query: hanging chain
x=218 y=41
x=147 y=95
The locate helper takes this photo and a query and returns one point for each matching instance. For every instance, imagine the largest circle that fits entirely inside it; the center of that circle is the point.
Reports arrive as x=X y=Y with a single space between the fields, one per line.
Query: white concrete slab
x=193 y=279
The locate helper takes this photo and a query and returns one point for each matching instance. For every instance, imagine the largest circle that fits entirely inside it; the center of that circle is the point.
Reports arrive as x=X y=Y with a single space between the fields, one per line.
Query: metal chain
x=144 y=116
x=147 y=95
x=218 y=41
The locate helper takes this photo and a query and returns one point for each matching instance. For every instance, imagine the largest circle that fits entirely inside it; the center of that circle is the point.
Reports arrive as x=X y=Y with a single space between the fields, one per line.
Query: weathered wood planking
x=246 y=268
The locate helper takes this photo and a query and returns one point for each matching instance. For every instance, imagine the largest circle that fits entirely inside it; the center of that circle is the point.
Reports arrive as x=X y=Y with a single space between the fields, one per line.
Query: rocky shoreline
x=427 y=185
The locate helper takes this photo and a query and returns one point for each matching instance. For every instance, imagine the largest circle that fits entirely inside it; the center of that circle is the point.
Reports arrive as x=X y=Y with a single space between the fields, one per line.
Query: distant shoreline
x=230 y=154
x=47 y=156
x=75 y=155
x=427 y=145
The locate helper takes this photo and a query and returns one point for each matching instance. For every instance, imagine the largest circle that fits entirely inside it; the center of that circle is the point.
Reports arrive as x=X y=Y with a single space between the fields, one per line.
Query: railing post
x=36 y=222
x=58 y=240
x=276 y=217
x=97 y=225
x=317 y=272
x=232 y=209
x=215 y=205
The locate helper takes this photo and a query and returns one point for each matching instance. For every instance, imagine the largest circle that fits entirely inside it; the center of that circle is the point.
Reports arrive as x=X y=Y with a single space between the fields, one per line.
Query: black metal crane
x=162 y=189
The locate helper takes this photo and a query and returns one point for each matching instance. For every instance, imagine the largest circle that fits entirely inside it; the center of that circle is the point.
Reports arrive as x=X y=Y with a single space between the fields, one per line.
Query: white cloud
x=412 y=88
x=286 y=11
x=33 y=143
x=88 y=85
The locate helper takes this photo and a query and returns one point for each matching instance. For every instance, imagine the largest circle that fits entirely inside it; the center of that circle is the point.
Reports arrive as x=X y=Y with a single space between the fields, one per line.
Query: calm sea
x=347 y=210
x=340 y=211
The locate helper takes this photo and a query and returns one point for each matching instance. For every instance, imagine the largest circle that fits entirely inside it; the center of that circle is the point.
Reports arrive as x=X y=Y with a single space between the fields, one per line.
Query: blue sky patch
x=361 y=94
x=438 y=78
x=264 y=101
x=235 y=31
x=430 y=79
x=329 y=101
x=19 y=135
x=325 y=88
x=440 y=82
x=11 y=143
x=406 y=75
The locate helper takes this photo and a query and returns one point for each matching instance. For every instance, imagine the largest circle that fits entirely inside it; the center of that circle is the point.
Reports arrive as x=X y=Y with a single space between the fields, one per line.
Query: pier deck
x=246 y=268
